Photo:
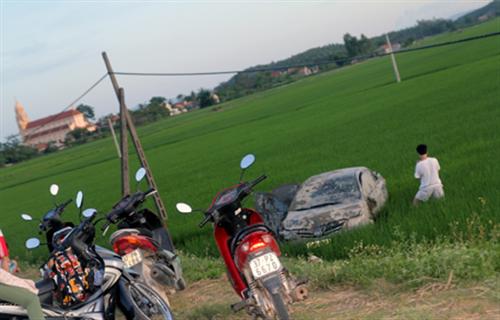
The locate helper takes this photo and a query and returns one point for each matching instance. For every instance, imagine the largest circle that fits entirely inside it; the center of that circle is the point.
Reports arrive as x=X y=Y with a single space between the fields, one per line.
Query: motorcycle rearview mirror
x=79 y=200
x=26 y=217
x=245 y=163
x=140 y=174
x=183 y=207
x=54 y=189
x=32 y=243
x=88 y=213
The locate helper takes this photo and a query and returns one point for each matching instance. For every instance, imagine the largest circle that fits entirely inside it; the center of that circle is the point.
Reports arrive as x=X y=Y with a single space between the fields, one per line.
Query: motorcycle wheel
x=280 y=307
x=148 y=304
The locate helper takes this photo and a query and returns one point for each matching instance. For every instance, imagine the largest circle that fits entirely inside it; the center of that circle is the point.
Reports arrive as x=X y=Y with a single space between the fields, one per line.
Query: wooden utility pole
x=393 y=59
x=112 y=129
x=135 y=140
x=124 y=143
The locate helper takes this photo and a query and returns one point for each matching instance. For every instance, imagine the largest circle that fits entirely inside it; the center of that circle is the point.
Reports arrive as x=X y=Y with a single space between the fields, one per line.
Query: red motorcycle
x=250 y=252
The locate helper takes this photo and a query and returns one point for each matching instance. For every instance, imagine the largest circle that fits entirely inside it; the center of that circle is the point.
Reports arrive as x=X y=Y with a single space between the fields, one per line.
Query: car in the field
x=324 y=204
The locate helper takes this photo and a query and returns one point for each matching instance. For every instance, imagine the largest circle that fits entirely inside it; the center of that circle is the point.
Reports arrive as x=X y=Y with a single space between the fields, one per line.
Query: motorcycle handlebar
x=66 y=203
x=149 y=192
x=205 y=221
x=252 y=184
x=126 y=205
x=60 y=208
x=105 y=225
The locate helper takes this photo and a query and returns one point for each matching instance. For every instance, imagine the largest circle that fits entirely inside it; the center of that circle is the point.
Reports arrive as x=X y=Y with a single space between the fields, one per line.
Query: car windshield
x=320 y=191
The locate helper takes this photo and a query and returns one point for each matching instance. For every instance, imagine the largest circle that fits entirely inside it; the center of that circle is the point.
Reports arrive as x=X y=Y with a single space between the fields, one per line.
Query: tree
x=13 y=151
x=51 y=147
x=204 y=98
x=87 y=111
x=77 y=136
x=152 y=111
x=364 y=45
x=351 y=45
x=156 y=101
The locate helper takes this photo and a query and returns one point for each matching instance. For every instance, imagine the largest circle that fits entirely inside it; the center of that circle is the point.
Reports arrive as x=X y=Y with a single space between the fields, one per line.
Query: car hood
x=318 y=218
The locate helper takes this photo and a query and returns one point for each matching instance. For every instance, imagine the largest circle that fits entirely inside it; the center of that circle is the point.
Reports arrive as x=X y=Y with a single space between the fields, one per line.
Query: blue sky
x=51 y=50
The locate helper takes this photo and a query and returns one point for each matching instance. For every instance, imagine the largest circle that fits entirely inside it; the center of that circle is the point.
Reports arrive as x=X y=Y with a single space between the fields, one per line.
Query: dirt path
x=210 y=299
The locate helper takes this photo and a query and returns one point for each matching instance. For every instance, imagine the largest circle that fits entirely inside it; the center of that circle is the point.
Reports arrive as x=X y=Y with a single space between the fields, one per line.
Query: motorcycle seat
x=123 y=232
x=240 y=235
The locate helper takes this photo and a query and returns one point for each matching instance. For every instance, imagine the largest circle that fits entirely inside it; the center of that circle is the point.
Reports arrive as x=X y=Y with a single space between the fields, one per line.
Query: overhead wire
x=308 y=64
x=263 y=69
x=87 y=91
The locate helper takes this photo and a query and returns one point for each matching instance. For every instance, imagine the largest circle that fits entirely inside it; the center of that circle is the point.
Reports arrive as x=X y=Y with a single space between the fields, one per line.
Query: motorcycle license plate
x=264 y=265
x=132 y=258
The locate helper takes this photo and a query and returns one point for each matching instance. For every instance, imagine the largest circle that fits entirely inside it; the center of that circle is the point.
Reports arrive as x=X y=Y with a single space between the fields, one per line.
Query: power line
x=95 y=84
x=263 y=69
x=487 y=35
x=315 y=63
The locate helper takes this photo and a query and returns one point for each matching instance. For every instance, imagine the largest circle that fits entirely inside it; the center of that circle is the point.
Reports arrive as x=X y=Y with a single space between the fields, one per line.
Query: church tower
x=21 y=118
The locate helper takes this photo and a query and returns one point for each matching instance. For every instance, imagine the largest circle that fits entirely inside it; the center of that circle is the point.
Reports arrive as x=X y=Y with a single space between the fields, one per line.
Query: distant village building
x=303 y=71
x=484 y=17
x=177 y=108
x=386 y=49
x=40 y=132
x=215 y=98
x=278 y=73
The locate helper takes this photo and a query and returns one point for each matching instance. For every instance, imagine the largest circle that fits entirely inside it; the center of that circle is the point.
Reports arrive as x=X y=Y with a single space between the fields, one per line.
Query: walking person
x=427 y=170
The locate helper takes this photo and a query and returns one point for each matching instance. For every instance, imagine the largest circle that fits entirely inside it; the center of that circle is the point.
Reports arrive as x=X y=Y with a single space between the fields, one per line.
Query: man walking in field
x=427 y=170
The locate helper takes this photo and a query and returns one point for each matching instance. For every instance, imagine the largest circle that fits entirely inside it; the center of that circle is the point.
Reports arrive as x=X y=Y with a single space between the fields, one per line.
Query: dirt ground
x=210 y=299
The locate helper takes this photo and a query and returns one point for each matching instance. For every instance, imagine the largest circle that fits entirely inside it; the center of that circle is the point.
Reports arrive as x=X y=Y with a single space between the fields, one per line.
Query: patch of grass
x=353 y=116
x=197 y=268
x=409 y=262
x=208 y=312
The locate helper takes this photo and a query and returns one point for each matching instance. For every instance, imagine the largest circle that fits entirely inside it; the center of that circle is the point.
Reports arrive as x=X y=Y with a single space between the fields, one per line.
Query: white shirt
x=428 y=172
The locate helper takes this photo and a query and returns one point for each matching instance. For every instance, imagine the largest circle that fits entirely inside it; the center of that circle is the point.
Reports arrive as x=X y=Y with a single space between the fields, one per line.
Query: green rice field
x=355 y=116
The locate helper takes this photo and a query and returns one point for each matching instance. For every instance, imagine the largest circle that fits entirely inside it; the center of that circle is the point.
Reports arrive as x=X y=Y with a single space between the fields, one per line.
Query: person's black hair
x=422 y=149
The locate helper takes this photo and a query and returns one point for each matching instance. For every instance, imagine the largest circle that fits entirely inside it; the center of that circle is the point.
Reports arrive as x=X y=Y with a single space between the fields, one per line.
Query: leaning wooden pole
x=117 y=145
x=137 y=144
x=124 y=144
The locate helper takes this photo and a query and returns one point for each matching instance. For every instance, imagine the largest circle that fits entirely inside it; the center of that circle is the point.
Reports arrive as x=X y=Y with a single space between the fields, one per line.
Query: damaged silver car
x=324 y=203
x=334 y=200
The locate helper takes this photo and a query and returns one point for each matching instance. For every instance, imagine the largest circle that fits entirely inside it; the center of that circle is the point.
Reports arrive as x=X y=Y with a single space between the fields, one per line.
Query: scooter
x=113 y=285
x=250 y=252
x=143 y=242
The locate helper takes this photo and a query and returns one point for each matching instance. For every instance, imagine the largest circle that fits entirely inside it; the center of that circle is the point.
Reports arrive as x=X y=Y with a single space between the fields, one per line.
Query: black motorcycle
x=143 y=242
